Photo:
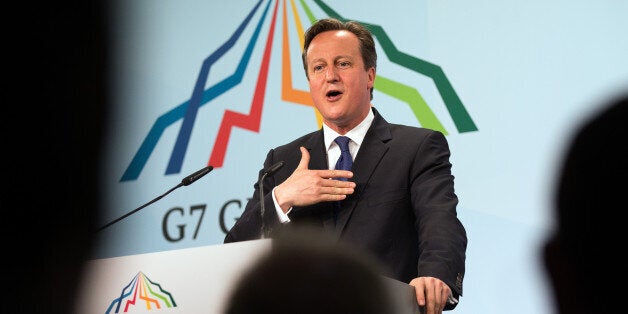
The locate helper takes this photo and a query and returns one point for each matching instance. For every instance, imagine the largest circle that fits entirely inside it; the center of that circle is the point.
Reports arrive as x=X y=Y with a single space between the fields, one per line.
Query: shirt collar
x=356 y=134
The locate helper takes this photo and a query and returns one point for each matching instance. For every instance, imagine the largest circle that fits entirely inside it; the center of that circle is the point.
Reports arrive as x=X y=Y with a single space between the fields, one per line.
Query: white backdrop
x=526 y=73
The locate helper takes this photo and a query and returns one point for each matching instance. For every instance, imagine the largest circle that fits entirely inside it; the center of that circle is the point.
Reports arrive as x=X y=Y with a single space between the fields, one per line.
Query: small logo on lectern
x=141 y=293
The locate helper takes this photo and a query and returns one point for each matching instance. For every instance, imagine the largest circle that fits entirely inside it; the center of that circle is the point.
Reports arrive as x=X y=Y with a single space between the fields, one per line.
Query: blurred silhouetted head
x=305 y=272
x=583 y=256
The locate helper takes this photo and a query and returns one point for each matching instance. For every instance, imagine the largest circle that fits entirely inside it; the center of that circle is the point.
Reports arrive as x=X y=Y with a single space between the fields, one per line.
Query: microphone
x=196 y=175
x=274 y=168
x=185 y=181
x=268 y=172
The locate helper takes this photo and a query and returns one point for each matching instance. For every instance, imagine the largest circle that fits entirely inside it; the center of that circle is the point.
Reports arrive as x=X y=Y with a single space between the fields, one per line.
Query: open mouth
x=333 y=94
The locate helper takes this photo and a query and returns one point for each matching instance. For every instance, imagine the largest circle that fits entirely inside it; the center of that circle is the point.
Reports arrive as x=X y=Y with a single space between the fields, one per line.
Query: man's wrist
x=283 y=216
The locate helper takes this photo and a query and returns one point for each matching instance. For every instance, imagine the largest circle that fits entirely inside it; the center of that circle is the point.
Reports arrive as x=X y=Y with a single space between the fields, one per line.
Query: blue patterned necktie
x=345 y=161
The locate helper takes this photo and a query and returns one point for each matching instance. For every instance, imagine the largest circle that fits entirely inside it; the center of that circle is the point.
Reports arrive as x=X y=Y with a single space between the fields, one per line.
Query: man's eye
x=344 y=64
x=317 y=68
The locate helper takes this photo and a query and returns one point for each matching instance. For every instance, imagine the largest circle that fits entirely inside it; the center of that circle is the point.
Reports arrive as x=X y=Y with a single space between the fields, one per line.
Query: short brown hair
x=367 y=44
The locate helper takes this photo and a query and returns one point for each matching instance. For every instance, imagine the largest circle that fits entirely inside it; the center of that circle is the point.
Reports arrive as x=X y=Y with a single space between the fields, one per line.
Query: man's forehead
x=323 y=41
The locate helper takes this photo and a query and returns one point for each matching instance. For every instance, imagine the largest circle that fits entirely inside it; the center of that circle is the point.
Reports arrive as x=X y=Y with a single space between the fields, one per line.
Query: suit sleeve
x=442 y=237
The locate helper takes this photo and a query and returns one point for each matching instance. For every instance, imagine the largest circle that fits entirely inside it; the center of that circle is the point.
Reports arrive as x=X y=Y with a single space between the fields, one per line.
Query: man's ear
x=371 y=80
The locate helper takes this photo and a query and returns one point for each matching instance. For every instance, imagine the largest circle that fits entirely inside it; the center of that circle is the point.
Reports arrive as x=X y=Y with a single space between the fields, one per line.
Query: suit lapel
x=318 y=153
x=373 y=148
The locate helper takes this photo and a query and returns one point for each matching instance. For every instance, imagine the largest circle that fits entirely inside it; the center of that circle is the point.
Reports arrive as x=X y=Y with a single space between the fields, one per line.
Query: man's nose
x=331 y=74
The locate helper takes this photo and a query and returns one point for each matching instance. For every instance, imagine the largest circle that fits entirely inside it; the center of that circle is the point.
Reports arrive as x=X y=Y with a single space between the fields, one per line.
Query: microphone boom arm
x=185 y=181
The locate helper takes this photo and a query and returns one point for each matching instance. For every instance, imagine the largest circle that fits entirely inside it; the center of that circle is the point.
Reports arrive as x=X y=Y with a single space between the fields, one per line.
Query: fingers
x=335 y=193
x=336 y=174
x=419 y=290
x=305 y=158
x=328 y=190
x=431 y=293
x=434 y=295
x=444 y=296
x=305 y=161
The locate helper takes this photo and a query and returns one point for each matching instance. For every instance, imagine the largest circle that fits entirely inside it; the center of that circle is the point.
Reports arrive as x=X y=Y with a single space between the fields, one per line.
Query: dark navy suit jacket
x=403 y=210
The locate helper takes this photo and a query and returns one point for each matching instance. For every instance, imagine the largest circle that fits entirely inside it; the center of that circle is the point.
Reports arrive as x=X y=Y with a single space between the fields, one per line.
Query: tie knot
x=343 y=143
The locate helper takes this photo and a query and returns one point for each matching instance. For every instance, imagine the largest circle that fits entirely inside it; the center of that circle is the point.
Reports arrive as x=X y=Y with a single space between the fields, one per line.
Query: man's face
x=339 y=84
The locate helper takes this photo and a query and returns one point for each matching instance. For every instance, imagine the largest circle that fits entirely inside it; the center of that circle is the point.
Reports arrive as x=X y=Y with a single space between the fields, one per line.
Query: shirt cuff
x=283 y=217
x=451 y=299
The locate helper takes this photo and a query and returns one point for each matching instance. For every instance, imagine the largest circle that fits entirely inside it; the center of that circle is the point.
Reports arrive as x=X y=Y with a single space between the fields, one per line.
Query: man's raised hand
x=306 y=187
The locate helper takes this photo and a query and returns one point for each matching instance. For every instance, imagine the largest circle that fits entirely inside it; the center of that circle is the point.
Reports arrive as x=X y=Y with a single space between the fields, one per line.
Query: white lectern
x=194 y=280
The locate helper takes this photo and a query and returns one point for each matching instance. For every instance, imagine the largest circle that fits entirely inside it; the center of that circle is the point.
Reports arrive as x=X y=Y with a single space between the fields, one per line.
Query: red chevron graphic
x=249 y=121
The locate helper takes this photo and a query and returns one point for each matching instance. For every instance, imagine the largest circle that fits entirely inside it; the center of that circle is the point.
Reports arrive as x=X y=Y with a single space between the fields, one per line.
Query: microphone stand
x=270 y=171
x=262 y=209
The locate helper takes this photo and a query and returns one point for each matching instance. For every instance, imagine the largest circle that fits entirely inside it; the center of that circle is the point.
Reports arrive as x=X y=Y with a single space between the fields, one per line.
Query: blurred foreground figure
x=52 y=152
x=307 y=273
x=582 y=258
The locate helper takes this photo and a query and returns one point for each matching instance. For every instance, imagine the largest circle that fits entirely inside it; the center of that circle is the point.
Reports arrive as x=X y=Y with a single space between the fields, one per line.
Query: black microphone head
x=274 y=168
x=196 y=175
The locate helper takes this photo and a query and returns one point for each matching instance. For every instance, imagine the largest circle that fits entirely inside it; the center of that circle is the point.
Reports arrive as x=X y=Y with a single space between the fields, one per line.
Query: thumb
x=305 y=158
